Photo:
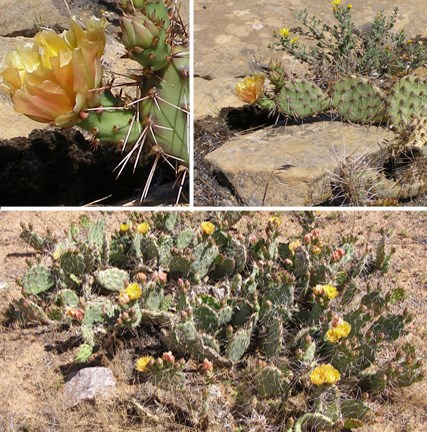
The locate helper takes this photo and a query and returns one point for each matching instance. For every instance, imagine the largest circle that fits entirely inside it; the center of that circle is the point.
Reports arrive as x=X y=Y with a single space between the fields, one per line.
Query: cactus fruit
x=358 y=101
x=300 y=98
x=408 y=100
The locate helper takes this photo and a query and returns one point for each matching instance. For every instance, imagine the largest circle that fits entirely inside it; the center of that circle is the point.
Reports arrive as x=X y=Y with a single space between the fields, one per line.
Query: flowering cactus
x=59 y=81
x=284 y=321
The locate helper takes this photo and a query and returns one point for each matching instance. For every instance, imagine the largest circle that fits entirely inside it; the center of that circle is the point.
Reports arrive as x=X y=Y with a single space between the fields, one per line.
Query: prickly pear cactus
x=294 y=320
x=149 y=118
x=300 y=98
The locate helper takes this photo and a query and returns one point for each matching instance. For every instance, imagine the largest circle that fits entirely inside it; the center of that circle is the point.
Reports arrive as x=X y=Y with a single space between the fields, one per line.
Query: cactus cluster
x=294 y=318
x=354 y=98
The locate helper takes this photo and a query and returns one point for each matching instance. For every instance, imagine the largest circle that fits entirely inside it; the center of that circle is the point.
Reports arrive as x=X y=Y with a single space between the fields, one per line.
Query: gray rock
x=290 y=165
x=89 y=384
x=22 y=19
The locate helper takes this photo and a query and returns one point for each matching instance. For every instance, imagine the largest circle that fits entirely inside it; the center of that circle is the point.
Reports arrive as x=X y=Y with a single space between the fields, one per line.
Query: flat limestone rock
x=22 y=18
x=89 y=384
x=290 y=165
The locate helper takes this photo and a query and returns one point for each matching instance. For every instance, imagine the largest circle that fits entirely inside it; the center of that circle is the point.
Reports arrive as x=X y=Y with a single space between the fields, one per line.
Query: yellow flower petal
x=249 y=89
x=324 y=374
x=133 y=291
x=207 y=227
x=143 y=363
x=342 y=330
x=143 y=228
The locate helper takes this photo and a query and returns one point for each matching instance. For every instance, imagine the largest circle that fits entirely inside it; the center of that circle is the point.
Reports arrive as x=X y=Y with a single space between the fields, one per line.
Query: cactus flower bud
x=207 y=366
x=307 y=238
x=141 y=277
x=168 y=357
x=53 y=81
x=138 y=31
x=76 y=314
x=229 y=330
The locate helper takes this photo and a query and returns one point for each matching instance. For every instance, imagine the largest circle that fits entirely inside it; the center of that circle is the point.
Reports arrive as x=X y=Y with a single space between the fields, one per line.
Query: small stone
x=89 y=384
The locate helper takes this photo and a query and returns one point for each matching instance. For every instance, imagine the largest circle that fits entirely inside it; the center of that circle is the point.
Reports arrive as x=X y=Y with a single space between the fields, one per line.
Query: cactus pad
x=408 y=100
x=37 y=280
x=301 y=98
x=356 y=100
x=112 y=279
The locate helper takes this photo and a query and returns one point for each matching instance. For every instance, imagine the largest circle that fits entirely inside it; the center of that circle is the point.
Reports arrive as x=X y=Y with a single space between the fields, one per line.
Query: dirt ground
x=32 y=372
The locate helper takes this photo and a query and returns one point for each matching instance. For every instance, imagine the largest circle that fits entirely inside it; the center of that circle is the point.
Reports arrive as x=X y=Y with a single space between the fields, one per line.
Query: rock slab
x=290 y=165
x=89 y=384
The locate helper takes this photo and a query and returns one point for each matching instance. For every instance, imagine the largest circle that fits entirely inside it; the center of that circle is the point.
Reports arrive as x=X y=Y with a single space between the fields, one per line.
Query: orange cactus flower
x=52 y=81
x=249 y=89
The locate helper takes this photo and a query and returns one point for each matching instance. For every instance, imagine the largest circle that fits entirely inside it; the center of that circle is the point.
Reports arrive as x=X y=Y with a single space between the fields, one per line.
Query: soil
x=35 y=361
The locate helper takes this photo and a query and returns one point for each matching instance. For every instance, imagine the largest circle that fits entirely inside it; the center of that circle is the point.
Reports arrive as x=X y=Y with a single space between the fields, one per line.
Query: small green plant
x=341 y=49
x=277 y=321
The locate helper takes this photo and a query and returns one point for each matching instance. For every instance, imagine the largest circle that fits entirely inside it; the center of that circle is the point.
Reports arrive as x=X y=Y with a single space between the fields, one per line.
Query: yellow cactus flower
x=316 y=250
x=409 y=41
x=124 y=228
x=294 y=40
x=349 y=6
x=324 y=374
x=335 y=3
x=207 y=227
x=250 y=88
x=284 y=31
x=143 y=363
x=275 y=221
x=330 y=291
x=53 y=81
x=338 y=332
x=133 y=291
x=143 y=228
x=294 y=245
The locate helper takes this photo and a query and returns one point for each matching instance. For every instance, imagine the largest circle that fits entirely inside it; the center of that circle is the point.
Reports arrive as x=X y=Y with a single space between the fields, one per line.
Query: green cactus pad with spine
x=37 y=280
x=270 y=383
x=164 y=112
x=301 y=98
x=358 y=101
x=112 y=279
x=408 y=100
